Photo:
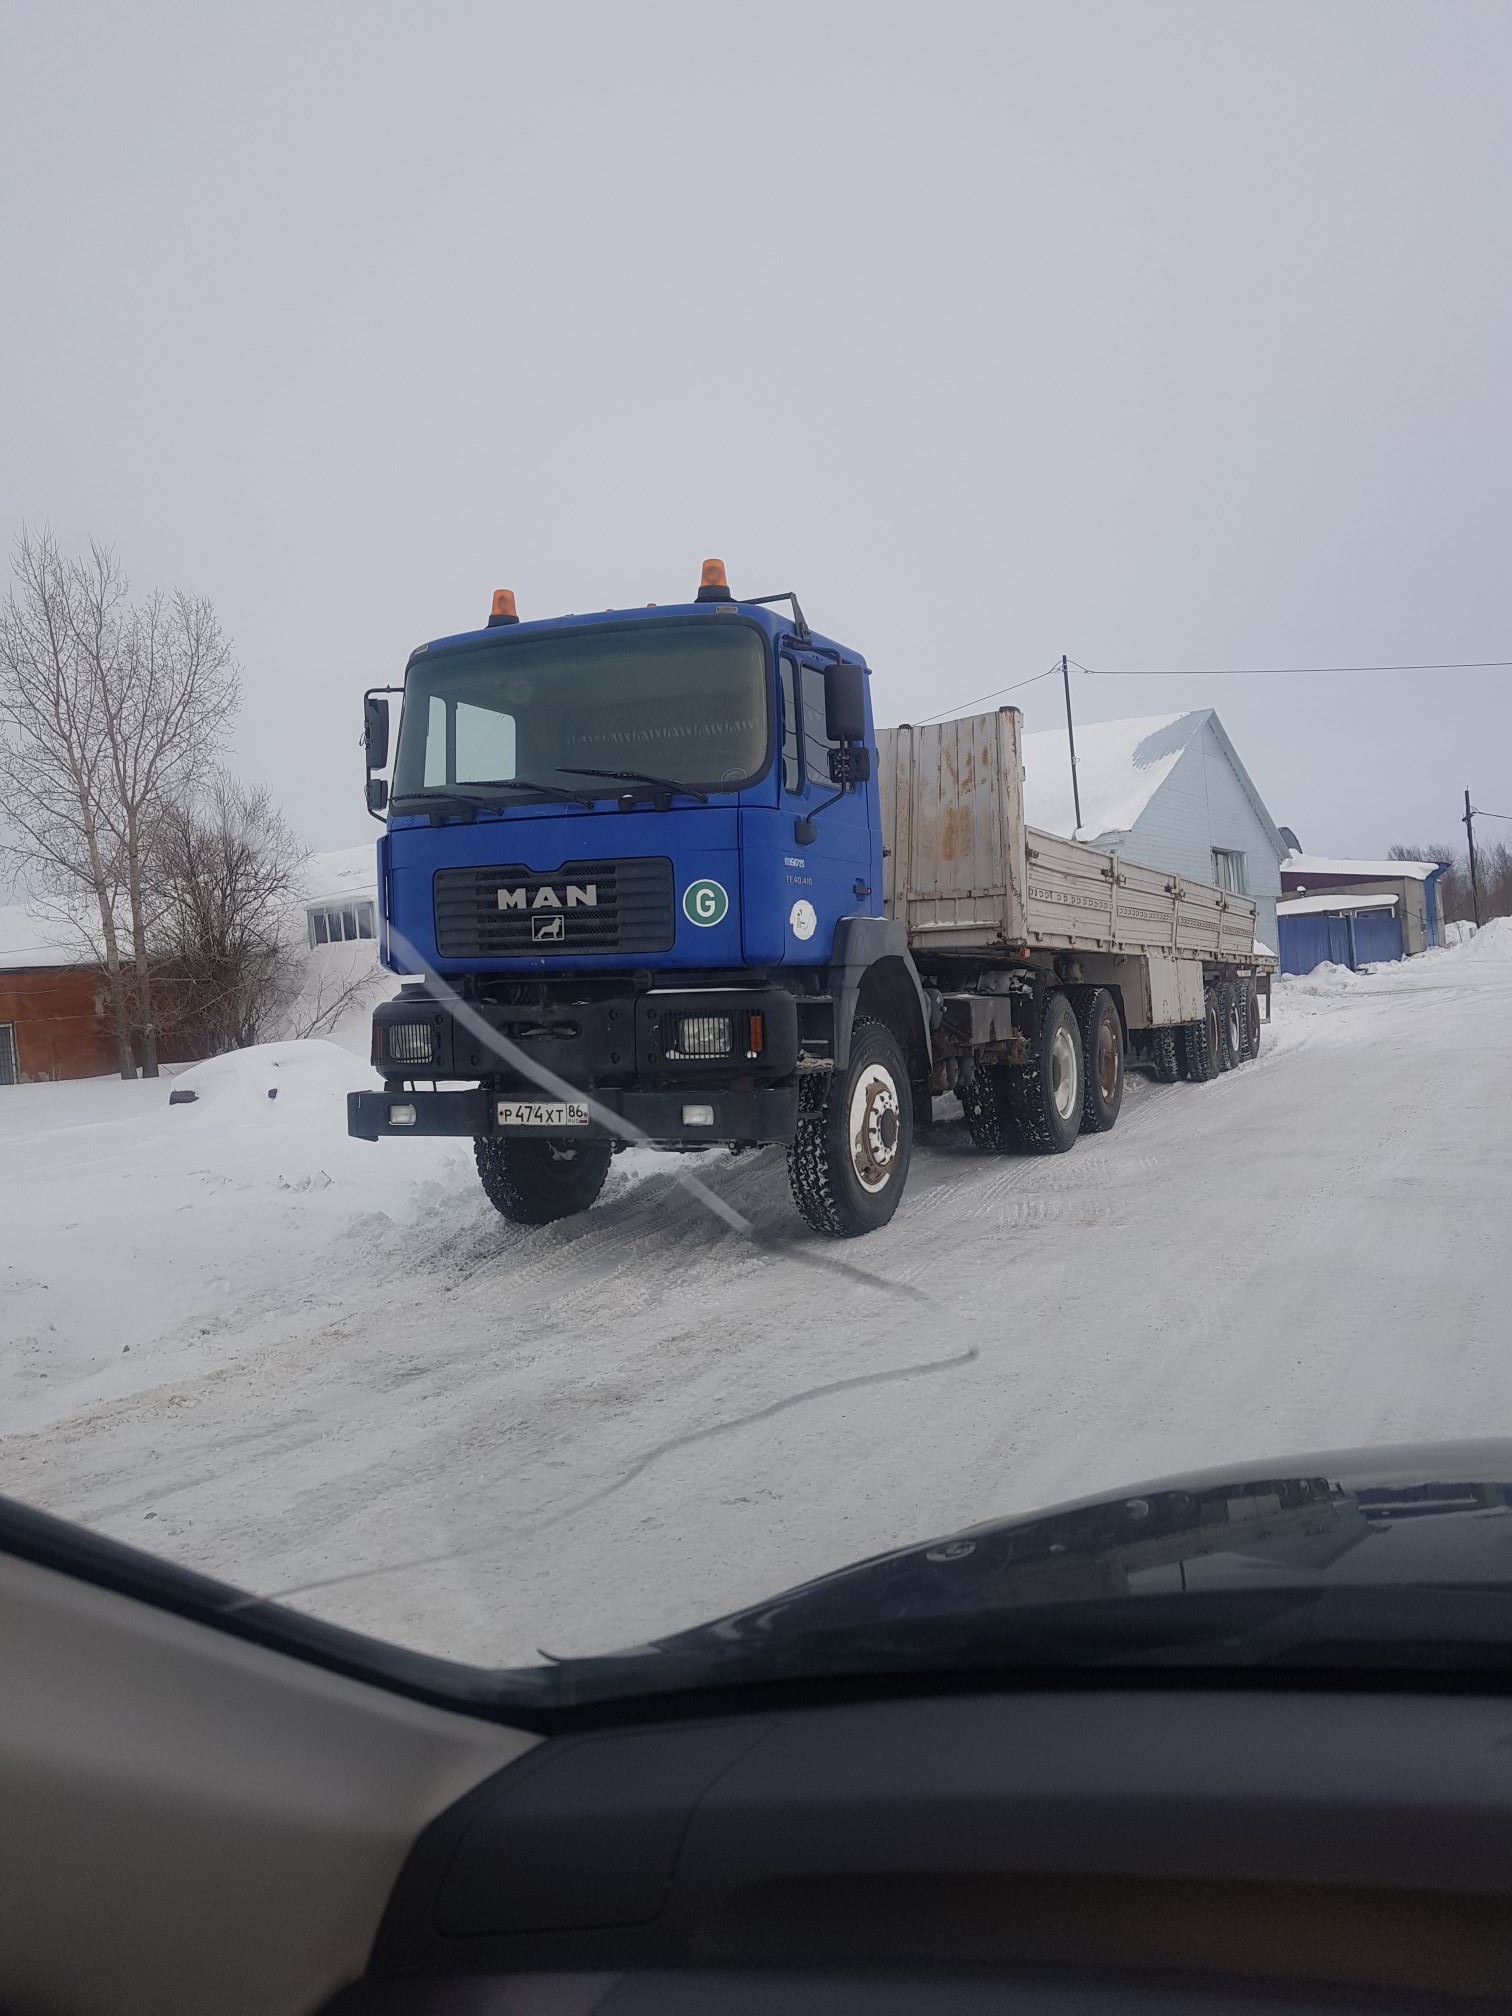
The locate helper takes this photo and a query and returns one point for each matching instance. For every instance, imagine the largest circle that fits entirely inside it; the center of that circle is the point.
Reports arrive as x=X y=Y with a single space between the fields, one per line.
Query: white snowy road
x=233 y=1336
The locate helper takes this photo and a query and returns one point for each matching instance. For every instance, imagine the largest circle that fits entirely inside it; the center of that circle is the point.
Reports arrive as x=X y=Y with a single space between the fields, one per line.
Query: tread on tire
x=828 y=1187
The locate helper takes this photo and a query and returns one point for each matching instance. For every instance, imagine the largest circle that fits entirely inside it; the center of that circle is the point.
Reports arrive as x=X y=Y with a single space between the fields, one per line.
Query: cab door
x=830 y=876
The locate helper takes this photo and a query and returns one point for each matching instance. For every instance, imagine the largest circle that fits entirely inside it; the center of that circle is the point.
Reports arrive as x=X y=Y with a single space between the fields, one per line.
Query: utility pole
x=1469 y=824
x=1071 y=738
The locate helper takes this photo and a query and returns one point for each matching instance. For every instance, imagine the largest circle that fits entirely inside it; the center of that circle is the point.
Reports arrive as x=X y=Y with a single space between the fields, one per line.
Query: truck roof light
x=713 y=585
x=503 y=610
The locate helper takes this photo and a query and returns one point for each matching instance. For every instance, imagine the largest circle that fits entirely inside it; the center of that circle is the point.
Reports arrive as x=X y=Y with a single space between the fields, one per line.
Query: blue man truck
x=653 y=875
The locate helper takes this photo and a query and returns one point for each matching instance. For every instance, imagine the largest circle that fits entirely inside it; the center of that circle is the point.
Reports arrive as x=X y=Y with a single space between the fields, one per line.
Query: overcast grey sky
x=1164 y=335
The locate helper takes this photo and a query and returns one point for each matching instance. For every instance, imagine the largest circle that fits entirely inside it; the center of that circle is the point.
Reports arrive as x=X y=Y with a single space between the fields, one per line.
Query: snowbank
x=1492 y=941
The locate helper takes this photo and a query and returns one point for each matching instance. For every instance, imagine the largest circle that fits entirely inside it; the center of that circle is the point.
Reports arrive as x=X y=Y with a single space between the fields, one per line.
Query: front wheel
x=849 y=1161
x=533 y=1181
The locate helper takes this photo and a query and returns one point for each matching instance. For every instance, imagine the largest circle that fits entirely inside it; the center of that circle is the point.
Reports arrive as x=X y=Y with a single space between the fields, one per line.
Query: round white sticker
x=801 y=919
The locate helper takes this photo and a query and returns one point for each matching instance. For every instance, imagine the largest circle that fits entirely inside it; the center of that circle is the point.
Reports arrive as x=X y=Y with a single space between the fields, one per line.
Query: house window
x=1228 y=872
x=8 y=1071
x=332 y=923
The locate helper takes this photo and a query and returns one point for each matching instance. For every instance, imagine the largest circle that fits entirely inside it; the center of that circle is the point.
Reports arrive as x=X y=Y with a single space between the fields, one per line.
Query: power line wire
x=995 y=694
x=1282 y=671
x=1480 y=814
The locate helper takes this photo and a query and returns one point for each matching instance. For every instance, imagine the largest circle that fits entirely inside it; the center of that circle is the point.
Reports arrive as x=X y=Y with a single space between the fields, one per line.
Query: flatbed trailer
x=995 y=909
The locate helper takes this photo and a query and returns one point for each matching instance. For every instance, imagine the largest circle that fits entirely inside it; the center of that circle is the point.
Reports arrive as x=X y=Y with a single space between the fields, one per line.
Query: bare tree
x=335 y=993
x=54 y=766
x=167 y=685
x=221 y=885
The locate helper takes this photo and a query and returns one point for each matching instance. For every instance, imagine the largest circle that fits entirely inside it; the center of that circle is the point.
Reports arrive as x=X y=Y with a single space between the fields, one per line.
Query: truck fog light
x=701 y=1036
x=410 y=1042
x=698 y=1116
x=402 y=1116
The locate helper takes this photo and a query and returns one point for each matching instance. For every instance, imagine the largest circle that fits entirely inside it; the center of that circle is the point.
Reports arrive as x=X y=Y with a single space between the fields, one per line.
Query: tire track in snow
x=687 y=1440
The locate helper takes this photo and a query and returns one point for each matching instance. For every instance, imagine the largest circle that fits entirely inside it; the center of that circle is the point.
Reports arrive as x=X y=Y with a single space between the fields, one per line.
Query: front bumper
x=644 y=1057
x=769 y=1113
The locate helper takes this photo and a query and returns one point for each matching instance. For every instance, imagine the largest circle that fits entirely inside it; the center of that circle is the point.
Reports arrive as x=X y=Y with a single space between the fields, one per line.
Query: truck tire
x=1102 y=1041
x=534 y=1181
x=989 y=1117
x=1250 y=993
x=849 y=1162
x=1045 y=1097
x=1165 y=1054
x=1199 y=1043
x=1230 y=1027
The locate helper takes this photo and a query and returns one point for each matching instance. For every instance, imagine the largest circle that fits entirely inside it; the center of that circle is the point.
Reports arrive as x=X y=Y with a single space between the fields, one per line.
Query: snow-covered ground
x=309 y=1364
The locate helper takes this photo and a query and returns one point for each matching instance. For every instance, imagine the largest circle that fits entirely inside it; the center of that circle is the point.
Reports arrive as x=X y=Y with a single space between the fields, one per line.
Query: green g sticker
x=705 y=902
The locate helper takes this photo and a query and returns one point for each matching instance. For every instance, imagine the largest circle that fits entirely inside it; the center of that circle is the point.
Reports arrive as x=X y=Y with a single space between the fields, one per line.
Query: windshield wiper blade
x=458 y=796
x=641 y=777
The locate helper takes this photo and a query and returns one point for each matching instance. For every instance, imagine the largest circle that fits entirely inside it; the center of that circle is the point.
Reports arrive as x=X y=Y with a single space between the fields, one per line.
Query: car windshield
x=756 y=828
x=684 y=702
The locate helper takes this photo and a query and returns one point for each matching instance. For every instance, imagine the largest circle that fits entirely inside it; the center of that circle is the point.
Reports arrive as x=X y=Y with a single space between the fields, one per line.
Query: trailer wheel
x=534 y=1181
x=1230 y=1027
x=1102 y=1043
x=848 y=1163
x=1046 y=1096
x=1250 y=991
x=1199 y=1043
x=1165 y=1053
x=989 y=1115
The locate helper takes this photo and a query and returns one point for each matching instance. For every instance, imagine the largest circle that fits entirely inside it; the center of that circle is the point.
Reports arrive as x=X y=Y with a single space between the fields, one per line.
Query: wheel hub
x=1065 y=1078
x=874 y=1127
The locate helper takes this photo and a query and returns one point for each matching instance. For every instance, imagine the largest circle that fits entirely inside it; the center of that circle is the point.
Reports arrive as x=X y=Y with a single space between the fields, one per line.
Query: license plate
x=541 y=1113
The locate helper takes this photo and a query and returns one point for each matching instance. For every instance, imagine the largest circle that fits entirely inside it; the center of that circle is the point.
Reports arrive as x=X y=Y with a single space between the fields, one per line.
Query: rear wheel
x=1045 y=1096
x=1230 y=1027
x=1251 y=1019
x=1199 y=1043
x=534 y=1181
x=1165 y=1054
x=989 y=1117
x=1102 y=1043
x=849 y=1161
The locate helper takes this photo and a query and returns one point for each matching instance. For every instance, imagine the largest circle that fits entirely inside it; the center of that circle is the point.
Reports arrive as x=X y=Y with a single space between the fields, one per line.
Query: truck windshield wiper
x=463 y=797
x=641 y=777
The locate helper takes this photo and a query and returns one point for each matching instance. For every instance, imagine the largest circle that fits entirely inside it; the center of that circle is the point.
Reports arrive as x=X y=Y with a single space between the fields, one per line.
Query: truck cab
x=632 y=872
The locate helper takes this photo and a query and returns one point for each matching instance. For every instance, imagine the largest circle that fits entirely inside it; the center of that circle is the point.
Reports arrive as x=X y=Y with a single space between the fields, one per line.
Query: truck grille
x=583 y=906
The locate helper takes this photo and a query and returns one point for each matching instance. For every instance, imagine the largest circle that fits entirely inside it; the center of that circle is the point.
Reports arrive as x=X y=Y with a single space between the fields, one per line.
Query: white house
x=1167 y=790
x=339 y=920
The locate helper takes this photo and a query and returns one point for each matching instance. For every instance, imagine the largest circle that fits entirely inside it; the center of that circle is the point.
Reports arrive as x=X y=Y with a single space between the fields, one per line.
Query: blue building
x=1167 y=790
x=1356 y=913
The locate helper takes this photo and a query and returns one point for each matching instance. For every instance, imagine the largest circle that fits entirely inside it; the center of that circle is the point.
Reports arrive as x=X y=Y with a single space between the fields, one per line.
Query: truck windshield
x=679 y=700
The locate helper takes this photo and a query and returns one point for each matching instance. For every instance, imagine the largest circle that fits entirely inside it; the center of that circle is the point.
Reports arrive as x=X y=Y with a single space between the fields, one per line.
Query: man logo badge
x=548 y=929
x=580 y=895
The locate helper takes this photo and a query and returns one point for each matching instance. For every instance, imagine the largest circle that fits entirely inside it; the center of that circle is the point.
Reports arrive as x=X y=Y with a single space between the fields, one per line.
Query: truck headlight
x=409 y=1042
x=700 y=1036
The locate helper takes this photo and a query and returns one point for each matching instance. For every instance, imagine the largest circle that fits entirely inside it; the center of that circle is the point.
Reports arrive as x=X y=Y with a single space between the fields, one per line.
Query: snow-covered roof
x=1335 y=899
x=341 y=874
x=1394 y=871
x=1120 y=765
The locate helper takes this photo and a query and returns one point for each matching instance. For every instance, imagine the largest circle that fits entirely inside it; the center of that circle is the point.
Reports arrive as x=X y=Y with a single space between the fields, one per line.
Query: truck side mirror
x=375 y=732
x=845 y=701
x=377 y=794
x=849 y=764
